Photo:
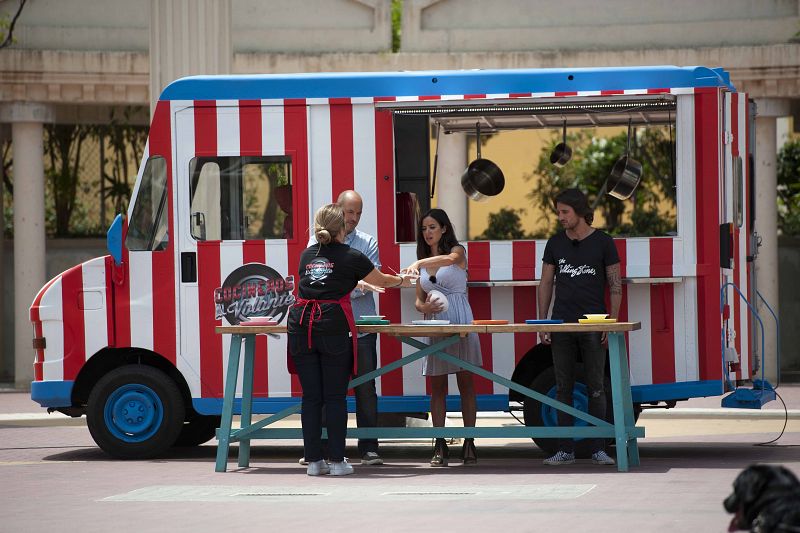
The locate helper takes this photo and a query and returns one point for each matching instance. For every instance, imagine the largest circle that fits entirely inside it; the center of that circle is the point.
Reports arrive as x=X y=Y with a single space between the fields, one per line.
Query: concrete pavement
x=689 y=459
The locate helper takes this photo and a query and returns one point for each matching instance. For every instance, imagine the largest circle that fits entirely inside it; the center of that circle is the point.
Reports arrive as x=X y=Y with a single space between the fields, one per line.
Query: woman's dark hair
x=448 y=240
x=577 y=201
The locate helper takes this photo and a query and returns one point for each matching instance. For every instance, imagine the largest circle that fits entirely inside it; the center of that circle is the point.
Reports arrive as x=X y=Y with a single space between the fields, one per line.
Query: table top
x=410 y=330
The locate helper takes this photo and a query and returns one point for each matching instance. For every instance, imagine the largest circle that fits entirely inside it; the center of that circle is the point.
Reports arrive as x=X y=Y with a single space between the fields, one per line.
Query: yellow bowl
x=596 y=316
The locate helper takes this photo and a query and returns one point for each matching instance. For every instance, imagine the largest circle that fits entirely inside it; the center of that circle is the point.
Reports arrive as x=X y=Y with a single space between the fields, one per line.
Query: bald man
x=363 y=303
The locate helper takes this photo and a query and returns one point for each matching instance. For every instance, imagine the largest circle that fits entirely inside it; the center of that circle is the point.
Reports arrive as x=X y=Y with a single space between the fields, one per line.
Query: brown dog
x=765 y=498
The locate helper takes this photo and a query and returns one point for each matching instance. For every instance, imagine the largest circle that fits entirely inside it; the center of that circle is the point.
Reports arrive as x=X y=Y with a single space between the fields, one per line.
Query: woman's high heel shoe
x=468 y=452
x=440 y=453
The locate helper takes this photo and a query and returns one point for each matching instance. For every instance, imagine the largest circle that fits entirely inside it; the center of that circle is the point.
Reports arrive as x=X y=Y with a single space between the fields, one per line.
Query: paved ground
x=54 y=478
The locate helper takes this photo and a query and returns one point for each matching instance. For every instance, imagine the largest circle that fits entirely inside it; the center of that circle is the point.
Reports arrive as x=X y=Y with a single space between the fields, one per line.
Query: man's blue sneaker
x=602 y=458
x=561 y=458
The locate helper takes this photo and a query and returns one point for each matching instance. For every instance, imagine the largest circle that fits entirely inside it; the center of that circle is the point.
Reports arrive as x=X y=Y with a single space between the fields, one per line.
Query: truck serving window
x=147 y=230
x=241 y=198
x=522 y=138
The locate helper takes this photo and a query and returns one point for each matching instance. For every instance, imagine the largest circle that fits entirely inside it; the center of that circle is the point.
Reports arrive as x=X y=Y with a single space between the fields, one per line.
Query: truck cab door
x=239 y=231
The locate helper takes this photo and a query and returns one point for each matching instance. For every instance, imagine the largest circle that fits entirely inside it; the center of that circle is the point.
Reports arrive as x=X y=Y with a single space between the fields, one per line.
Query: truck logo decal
x=253 y=290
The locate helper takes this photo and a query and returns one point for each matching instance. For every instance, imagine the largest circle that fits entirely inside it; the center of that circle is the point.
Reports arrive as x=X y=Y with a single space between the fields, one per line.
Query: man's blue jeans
x=566 y=347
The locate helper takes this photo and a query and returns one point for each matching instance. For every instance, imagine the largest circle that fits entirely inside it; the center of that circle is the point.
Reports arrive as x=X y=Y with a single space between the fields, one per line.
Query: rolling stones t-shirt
x=580 y=273
x=327 y=272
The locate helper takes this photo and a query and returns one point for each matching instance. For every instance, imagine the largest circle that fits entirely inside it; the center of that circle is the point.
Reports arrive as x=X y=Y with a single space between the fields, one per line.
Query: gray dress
x=452 y=282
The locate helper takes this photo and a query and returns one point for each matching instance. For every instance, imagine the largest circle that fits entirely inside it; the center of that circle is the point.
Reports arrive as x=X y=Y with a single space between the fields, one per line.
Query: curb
x=40 y=420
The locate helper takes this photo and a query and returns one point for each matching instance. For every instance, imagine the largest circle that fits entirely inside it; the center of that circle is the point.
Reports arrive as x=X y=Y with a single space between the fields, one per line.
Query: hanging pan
x=625 y=175
x=562 y=153
x=482 y=178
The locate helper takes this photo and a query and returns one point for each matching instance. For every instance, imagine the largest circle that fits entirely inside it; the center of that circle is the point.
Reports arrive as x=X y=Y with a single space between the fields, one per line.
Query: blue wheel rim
x=580 y=401
x=133 y=413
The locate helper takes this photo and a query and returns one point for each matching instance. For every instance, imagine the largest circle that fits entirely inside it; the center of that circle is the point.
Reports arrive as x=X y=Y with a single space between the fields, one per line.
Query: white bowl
x=437 y=297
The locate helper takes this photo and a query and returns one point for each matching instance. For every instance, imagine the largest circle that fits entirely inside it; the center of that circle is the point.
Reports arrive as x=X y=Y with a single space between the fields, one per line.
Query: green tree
x=7 y=26
x=397 y=24
x=592 y=161
x=506 y=224
x=124 y=144
x=62 y=147
x=789 y=188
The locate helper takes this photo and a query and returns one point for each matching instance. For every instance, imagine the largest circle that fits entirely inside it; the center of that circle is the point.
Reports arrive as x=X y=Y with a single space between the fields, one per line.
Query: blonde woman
x=323 y=336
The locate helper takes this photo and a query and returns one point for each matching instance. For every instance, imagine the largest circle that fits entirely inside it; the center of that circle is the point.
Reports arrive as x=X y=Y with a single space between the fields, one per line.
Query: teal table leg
x=623 y=406
x=247 y=397
x=627 y=401
x=224 y=433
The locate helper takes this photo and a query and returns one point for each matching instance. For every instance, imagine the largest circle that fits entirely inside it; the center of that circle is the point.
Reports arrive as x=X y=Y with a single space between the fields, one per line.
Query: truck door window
x=241 y=198
x=147 y=229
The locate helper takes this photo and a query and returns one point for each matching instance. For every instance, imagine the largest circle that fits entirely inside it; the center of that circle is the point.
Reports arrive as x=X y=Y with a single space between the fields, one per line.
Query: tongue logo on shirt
x=253 y=290
x=319 y=269
x=572 y=271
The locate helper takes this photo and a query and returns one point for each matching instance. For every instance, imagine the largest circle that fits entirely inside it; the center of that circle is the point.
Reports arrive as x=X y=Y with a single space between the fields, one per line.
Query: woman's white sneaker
x=341 y=468
x=318 y=468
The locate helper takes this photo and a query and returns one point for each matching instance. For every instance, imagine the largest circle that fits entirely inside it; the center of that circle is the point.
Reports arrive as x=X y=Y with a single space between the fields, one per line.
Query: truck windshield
x=147 y=229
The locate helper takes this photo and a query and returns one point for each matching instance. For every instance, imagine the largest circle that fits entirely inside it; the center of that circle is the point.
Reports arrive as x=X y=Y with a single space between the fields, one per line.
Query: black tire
x=135 y=412
x=537 y=414
x=197 y=429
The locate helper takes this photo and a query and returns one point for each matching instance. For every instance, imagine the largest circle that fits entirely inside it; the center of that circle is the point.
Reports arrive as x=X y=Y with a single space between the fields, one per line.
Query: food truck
x=235 y=167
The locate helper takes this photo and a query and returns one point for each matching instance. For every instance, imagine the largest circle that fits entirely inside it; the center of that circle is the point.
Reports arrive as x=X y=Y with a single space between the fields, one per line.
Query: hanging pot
x=482 y=178
x=625 y=175
x=562 y=153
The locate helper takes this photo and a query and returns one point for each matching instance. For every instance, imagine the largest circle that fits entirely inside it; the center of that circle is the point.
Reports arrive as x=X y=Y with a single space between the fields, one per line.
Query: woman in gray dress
x=442 y=265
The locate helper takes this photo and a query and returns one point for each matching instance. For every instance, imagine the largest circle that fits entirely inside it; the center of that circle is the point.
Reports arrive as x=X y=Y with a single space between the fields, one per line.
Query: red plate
x=489 y=322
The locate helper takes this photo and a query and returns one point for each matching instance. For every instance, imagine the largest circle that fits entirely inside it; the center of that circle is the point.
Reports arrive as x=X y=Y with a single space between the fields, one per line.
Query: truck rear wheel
x=539 y=414
x=135 y=412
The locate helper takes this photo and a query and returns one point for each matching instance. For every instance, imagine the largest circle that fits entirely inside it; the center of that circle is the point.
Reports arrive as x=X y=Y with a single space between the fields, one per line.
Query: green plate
x=372 y=322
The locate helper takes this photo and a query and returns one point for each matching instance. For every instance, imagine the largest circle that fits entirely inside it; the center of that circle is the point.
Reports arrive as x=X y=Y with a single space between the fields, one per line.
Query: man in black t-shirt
x=581 y=260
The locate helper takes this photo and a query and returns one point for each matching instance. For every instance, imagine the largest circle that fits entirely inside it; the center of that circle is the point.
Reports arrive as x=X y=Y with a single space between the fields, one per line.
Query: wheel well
x=531 y=365
x=108 y=359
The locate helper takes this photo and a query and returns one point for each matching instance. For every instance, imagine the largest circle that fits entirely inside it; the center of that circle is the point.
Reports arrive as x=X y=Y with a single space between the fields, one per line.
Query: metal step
x=750 y=398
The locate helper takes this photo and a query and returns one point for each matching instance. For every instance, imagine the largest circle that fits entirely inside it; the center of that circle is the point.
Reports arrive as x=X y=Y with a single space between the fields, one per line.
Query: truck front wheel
x=135 y=412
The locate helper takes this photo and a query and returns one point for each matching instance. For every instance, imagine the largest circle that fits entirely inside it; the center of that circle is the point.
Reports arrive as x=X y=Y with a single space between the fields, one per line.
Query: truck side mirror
x=114 y=239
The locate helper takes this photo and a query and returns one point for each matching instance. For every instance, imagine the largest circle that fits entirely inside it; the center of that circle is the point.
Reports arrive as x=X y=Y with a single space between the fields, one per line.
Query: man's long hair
x=448 y=240
x=577 y=201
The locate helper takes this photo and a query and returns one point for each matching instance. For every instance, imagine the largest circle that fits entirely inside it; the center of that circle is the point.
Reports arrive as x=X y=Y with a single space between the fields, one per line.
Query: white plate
x=430 y=322
x=371 y=317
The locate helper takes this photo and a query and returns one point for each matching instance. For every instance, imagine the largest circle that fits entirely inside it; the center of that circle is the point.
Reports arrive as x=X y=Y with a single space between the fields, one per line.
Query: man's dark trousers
x=366 y=397
x=566 y=347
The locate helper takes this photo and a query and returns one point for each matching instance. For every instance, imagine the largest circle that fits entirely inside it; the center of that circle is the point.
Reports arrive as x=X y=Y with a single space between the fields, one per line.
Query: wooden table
x=623 y=429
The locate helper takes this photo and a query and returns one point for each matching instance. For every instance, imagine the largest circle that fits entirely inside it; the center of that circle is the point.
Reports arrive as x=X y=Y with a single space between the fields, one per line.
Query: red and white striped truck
x=234 y=168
